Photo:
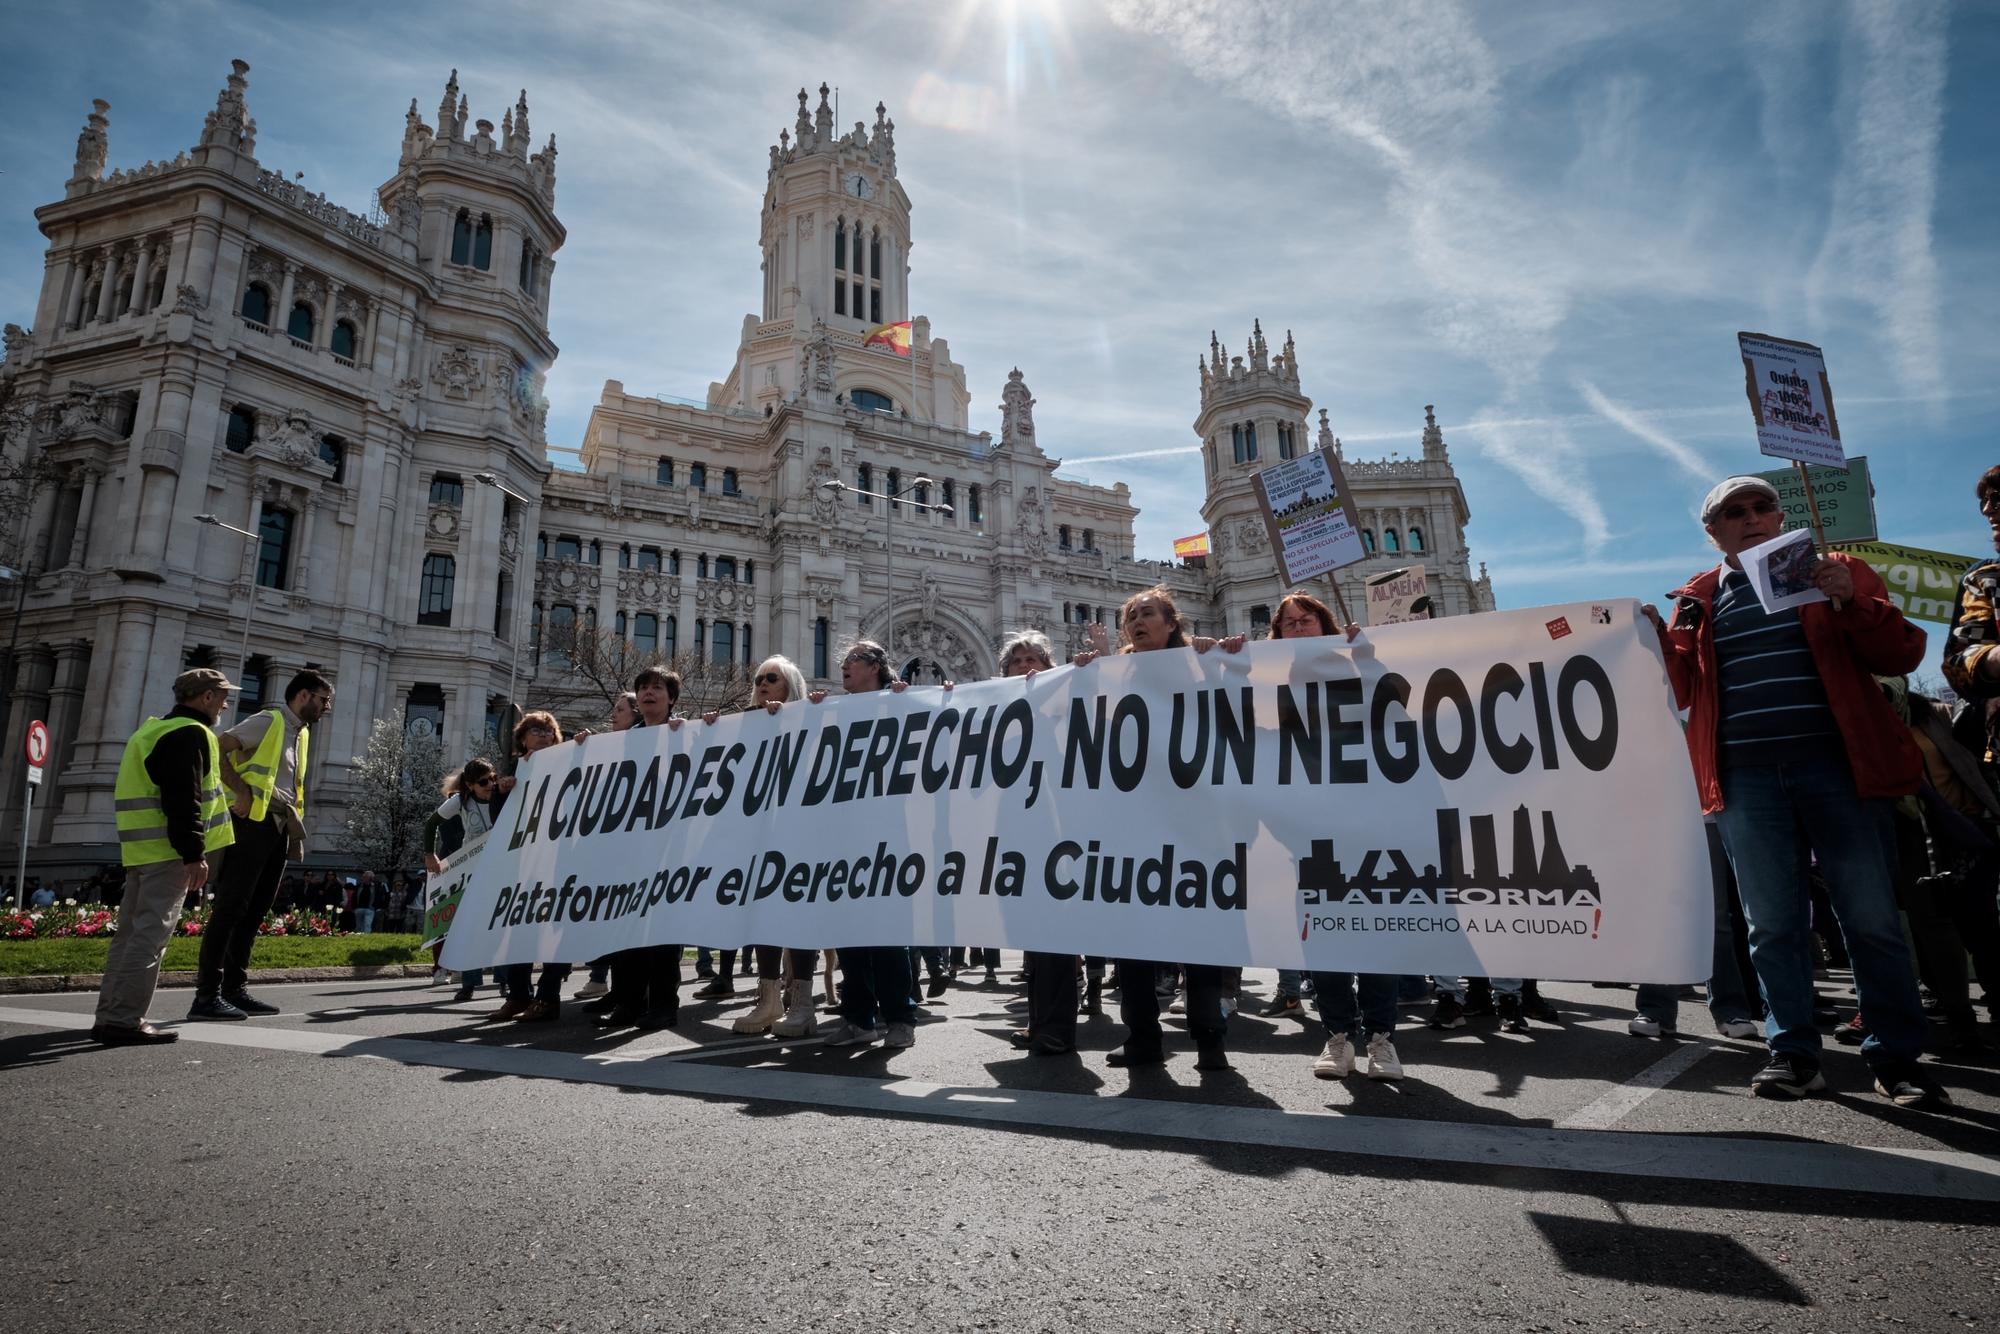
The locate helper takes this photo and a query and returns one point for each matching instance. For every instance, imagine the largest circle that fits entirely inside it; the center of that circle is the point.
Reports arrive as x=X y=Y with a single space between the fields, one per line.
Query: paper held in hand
x=1781 y=570
x=1791 y=400
x=1310 y=516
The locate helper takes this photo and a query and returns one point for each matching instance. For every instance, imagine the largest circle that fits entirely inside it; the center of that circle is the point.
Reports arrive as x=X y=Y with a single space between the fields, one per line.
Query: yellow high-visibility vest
x=259 y=771
x=142 y=821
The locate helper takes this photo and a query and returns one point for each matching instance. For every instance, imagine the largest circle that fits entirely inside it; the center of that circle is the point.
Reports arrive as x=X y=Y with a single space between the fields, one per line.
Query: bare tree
x=25 y=470
x=583 y=671
x=393 y=786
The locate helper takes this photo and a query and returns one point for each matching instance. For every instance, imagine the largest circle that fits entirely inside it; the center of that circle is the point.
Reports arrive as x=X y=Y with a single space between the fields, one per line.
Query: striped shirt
x=1773 y=704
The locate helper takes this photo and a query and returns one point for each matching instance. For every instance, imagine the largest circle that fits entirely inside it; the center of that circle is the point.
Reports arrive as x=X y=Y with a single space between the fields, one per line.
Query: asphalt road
x=374 y=1159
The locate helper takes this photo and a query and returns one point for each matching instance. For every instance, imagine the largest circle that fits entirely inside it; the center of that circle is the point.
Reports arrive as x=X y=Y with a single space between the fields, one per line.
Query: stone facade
x=212 y=340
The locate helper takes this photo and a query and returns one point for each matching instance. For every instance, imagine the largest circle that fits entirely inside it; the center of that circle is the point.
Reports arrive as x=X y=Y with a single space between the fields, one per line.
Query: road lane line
x=1795 y=1164
x=1625 y=1098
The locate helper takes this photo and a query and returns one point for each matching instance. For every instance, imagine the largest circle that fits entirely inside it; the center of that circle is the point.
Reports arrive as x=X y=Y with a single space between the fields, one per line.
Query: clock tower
x=836 y=224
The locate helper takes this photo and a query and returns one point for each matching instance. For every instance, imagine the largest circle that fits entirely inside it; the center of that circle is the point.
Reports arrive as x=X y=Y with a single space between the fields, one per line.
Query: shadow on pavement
x=1663 y=1257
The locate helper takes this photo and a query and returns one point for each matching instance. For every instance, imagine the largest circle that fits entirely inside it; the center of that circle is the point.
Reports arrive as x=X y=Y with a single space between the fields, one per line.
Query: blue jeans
x=1377 y=1013
x=1291 y=982
x=1729 y=995
x=1772 y=817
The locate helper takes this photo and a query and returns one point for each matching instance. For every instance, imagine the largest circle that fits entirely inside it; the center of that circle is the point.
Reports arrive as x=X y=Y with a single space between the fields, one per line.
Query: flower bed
x=71 y=920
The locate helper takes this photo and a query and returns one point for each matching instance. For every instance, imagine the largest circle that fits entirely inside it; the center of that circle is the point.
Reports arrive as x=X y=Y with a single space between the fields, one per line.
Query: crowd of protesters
x=1851 y=821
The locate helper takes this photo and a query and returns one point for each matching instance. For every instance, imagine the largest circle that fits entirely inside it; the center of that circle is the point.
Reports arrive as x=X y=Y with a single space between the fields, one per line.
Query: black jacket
x=179 y=764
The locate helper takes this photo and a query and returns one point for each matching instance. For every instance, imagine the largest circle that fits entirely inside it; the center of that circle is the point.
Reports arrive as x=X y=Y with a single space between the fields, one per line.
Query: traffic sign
x=37 y=747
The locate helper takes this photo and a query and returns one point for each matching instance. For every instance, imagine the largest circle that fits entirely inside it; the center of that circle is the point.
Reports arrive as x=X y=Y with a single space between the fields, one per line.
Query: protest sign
x=1791 y=400
x=1845 y=499
x=1310 y=516
x=444 y=891
x=1398 y=596
x=1923 y=584
x=1488 y=798
x=1781 y=571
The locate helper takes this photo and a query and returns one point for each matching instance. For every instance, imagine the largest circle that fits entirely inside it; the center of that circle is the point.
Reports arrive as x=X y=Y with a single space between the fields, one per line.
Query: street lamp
x=514 y=612
x=250 y=592
x=836 y=486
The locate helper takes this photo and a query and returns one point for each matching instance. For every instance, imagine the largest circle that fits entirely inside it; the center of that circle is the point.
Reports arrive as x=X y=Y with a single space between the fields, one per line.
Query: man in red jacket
x=1796 y=752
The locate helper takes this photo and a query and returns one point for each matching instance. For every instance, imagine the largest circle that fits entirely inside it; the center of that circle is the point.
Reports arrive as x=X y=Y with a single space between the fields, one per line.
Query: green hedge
x=28 y=958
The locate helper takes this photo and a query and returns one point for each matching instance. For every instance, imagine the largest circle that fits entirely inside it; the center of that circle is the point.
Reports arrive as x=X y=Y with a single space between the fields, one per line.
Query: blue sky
x=1549 y=220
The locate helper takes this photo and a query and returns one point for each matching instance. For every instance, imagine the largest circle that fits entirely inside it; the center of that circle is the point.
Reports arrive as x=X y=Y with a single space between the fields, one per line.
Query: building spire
x=1434 y=436
x=823 y=117
x=521 y=139
x=229 y=125
x=449 y=124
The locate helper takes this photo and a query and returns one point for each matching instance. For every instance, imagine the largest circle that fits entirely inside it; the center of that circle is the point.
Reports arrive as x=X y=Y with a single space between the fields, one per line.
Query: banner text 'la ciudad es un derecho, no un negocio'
x=1503 y=795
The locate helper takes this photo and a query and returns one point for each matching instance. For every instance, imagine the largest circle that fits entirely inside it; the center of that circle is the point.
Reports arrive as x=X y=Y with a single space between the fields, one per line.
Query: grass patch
x=32 y=958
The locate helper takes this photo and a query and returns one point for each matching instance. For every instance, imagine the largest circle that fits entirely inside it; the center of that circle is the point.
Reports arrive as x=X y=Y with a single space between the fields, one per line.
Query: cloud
x=1878 y=246
x=1689 y=462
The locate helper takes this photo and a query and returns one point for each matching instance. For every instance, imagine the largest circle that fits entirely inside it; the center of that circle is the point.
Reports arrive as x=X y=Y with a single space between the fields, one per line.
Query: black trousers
x=647 y=979
x=252 y=870
x=1139 y=1005
x=1052 y=997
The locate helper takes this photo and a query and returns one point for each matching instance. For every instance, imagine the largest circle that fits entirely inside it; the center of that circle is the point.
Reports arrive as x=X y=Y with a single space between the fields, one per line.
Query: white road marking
x=1624 y=1099
x=1935 y=1174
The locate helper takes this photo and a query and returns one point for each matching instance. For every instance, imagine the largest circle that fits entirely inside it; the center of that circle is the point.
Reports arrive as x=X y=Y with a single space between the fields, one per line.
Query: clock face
x=857 y=185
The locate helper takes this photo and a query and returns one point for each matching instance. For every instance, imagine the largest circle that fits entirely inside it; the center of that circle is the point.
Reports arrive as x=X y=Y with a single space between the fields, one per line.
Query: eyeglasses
x=769 y=679
x=1757 y=506
x=541 y=731
x=325 y=701
x=483 y=782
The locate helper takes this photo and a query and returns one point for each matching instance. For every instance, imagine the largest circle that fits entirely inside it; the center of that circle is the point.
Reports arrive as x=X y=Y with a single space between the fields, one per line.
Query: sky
x=1550 y=220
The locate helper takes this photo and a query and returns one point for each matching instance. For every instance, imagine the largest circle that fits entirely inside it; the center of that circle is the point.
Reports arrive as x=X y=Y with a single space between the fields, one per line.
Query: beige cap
x=1722 y=491
x=197 y=679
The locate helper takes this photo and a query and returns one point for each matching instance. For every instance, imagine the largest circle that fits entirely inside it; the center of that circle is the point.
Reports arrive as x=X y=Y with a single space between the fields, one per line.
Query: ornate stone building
x=213 y=341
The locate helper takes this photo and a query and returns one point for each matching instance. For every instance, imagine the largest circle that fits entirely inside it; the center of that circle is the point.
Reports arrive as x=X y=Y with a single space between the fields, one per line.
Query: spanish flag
x=1186 y=548
x=895 y=337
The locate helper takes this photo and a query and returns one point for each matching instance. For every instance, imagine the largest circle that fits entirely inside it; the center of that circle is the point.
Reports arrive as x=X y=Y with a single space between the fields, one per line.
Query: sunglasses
x=483 y=782
x=769 y=679
x=1760 y=506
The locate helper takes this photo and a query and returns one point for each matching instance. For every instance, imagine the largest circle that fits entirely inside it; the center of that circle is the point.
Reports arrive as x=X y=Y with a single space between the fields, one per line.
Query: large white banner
x=1505 y=794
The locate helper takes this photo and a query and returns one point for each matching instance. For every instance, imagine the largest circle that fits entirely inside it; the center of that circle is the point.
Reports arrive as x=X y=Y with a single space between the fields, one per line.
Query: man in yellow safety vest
x=171 y=814
x=265 y=770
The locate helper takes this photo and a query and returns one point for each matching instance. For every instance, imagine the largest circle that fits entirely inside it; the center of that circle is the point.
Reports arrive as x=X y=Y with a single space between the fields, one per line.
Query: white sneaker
x=1642 y=1027
x=1740 y=1028
x=592 y=990
x=846 y=1034
x=1382 y=1060
x=1337 y=1061
x=901 y=1035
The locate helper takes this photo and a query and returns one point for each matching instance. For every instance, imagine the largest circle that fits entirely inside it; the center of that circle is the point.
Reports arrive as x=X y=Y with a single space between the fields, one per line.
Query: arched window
x=725 y=568
x=921 y=493
x=840 y=246
x=1416 y=539
x=972 y=504
x=867 y=400
x=1062 y=536
x=257 y=304
x=1090 y=539
x=344 y=342
x=875 y=254
x=300 y=325
x=673 y=562
x=625 y=556
x=1249 y=442
x=274 y=548
x=700 y=645
x=1284 y=441
x=461 y=238
x=729 y=482
x=725 y=642
x=529 y=262
x=482 y=244
x=895 y=486
x=864 y=480
x=434 y=596
x=749 y=571
x=594 y=553
x=333 y=450
x=1368 y=540
x=822 y=632
x=1390 y=542
x=701 y=566
x=1236 y=442
x=158 y=289
x=242 y=429
x=447 y=488
x=649 y=559
x=618 y=625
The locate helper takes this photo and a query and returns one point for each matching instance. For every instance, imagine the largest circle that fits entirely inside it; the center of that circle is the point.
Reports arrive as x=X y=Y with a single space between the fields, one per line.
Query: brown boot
x=512 y=1009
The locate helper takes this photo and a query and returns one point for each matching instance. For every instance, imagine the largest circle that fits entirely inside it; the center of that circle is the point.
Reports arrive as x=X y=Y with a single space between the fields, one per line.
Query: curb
x=47 y=983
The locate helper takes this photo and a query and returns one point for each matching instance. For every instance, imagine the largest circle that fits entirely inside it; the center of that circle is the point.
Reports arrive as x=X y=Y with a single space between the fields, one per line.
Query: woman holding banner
x=540 y=1002
x=1150 y=621
x=1052 y=996
x=1303 y=616
x=470 y=801
x=778 y=682
x=875 y=980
